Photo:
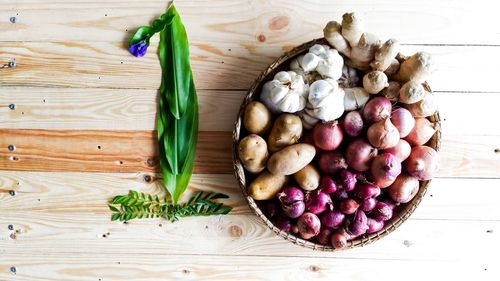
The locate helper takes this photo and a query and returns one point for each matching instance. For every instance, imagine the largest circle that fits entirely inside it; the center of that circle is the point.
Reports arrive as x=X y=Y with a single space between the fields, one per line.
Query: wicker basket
x=401 y=212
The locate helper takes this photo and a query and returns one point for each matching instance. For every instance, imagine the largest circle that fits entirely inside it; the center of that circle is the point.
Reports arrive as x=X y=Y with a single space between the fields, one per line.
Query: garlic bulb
x=326 y=100
x=286 y=93
x=308 y=121
x=320 y=58
x=355 y=98
x=349 y=77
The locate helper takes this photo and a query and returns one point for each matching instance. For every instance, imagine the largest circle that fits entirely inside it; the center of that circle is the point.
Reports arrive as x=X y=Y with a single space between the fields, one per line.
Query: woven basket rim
x=404 y=212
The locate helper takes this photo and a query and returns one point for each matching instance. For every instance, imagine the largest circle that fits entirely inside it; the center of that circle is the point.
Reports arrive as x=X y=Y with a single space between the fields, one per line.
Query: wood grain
x=280 y=21
x=102 y=151
x=234 y=235
x=106 y=109
x=117 y=267
x=58 y=193
x=221 y=66
x=134 y=109
x=129 y=151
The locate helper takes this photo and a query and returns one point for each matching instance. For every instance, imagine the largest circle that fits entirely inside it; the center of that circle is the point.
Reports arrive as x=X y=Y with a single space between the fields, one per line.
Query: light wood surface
x=76 y=87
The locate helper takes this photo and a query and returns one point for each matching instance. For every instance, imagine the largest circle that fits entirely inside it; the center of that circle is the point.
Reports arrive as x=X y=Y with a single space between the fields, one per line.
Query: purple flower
x=138 y=49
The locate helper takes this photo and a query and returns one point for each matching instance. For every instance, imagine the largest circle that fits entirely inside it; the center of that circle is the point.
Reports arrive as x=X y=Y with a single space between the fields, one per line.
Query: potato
x=266 y=185
x=286 y=130
x=257 y=118
x=291 y=159
x=252 y=151
x=307 y=177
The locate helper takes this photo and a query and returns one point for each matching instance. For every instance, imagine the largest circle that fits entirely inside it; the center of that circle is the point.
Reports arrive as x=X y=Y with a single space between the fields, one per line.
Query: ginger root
x=391 y=92
x=411 y=92
x=352 y=28
x=332 y=33
x=385 y=54
x=375 y=81
x=423 y=108
x=393 y=68
x=416 y=68
x=364 y=52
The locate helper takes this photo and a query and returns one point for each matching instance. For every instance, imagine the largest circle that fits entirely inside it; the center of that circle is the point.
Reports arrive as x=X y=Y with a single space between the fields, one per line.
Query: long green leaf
x=178 y=108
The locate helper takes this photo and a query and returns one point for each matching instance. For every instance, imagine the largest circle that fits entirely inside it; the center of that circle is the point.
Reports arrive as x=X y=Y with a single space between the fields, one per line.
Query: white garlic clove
x=318 y=49
x=309 y=62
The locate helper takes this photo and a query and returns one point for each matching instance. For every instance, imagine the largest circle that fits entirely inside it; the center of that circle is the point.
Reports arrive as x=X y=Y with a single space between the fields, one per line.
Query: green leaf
x=113 y=208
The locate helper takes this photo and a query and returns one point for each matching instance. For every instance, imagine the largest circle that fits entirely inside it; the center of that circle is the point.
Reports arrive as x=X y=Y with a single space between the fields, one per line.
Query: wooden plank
x=108 y=151
x=77 y=233
x=106 y=109
x=281 y=22
x=55 y=193
x=127 y=109
x=72 y=150
x=215 y=66
x=115 y=267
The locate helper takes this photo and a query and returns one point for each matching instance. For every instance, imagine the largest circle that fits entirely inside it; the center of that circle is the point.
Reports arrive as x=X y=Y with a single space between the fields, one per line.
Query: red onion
x=391 y=204
x=368 y=204
x=284 y=224
x=308 y=225
x=348 y=206
x=324 y=236
x=339 y=195
x=348 y=180
x=385 y=169
x=377 y=109
x=382 y=211
x=374 y=225
x=327 y=185
x=383 y=134
x=404 y=188
x=331 y=162
x=290 y=194
x=339 y=239
x=317 y=201
x=358 y=225
x=332 y=219
x=359 y=154
x=327 y=136
x=422 y=132
x=402 y=150
x=294 y=210
x=366 y=190
x=423 y=163
x=352 y=124
x=402 y=119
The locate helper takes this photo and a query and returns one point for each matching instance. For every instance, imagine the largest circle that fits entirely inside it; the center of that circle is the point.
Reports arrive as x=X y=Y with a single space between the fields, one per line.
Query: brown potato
x=252 y=151
x=257 y=118
x=266 y=185
x=291 y=159
x=287 y=130
x=307 y=177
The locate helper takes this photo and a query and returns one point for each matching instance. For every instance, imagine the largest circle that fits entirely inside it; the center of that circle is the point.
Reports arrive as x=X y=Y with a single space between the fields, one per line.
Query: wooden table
x=83 y=126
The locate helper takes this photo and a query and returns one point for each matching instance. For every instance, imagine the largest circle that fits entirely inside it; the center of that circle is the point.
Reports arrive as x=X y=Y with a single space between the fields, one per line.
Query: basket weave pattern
x=401 y=213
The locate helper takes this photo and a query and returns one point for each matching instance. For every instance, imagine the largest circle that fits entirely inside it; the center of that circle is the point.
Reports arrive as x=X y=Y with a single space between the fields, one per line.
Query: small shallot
x=402 y=119
x=283 y=224
x=366 y=190
x=401 y=151
x=404 y=188
x=377 y=109
x=339 y=239
x=422 y=132
x=368 y=204
x=331 y=162
x=423 y=163
x=308 y=225
x=382 y=211
x=327 y=185
x=385 y=169
x=317 y=201
x=332 y=219
x=324 y=236
x=359 y=224
x=359 y=155
x=348 y=206
x=374 y=225
x=348 y=180
x=352 y=124
x=383 y=134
